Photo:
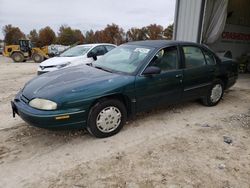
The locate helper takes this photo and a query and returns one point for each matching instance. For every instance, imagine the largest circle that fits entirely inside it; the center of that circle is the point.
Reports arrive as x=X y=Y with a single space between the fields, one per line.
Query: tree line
x=112 y=33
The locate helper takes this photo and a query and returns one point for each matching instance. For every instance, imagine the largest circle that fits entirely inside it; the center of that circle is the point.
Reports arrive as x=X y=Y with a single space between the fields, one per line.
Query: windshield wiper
x=102 y=68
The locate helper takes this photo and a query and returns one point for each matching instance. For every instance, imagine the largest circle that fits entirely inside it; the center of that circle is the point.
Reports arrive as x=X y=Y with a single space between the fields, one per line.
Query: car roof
x=96 y=44
x=160 y=43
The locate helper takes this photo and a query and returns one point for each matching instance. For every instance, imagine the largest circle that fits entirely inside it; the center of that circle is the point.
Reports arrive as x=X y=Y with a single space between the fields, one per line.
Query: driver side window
x=166 y=59
x=99 y=50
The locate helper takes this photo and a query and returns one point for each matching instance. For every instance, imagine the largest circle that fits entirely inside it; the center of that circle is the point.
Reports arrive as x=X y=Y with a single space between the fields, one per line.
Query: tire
x=248 y=67
x=214 y=94
x=37 y=58
x=106 y=118
x=17 y=57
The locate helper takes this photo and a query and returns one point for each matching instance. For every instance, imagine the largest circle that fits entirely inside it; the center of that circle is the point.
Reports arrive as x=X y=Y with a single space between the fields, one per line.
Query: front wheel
x=17 y=57
x=214 y=94
x=106 y=118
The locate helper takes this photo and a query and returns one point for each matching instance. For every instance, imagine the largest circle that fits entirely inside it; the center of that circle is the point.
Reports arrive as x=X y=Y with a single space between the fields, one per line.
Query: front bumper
x=41 y=72
x=45 y=70
x=49 y=119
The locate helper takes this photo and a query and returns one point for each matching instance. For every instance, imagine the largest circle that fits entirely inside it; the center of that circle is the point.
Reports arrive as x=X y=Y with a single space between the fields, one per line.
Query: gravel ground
x=185 y=145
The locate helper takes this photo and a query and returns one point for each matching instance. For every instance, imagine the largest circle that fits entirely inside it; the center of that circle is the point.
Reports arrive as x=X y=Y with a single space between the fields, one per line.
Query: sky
x=84 y=14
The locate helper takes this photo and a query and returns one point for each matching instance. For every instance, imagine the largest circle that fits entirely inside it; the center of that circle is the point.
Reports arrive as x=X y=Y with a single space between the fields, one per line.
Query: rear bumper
x=49 y=119
x=231 y=81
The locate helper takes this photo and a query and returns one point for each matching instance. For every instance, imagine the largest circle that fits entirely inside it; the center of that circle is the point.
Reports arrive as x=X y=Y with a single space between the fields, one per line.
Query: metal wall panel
x=188 y=20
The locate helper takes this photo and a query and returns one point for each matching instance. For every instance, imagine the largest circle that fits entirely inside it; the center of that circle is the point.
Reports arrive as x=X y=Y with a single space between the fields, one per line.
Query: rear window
x=209 y=57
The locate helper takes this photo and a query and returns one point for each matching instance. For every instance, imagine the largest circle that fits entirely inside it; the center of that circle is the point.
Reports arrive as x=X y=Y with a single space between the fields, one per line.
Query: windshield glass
x=125 y=58
x=75 y=51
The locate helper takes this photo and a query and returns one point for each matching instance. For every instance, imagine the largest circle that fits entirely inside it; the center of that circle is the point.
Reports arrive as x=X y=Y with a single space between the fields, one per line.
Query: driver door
x=163 y=88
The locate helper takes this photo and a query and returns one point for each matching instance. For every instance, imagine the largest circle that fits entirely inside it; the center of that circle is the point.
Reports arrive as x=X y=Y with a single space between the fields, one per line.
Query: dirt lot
x=177 y=146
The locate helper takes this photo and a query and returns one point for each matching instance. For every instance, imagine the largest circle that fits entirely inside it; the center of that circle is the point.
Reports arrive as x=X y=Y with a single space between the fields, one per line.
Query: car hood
x=75 y=83
x=60 y=60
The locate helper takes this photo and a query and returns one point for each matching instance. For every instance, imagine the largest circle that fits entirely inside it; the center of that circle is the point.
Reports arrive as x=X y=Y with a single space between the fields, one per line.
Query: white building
x=224 y=25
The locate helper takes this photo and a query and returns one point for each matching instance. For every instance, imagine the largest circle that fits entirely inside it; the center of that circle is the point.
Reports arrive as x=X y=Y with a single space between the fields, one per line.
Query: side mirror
x=151 y=70
x=93 y=55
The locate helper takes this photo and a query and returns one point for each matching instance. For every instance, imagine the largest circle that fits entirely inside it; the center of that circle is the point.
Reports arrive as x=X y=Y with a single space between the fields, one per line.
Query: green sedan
x=131 y=78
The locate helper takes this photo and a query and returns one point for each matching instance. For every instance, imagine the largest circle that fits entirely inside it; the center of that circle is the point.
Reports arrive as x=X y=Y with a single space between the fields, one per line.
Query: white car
x=81 y=54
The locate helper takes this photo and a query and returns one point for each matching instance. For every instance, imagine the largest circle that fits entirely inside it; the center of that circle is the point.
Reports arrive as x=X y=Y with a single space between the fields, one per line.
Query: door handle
x=178 y=75
x=161 y=79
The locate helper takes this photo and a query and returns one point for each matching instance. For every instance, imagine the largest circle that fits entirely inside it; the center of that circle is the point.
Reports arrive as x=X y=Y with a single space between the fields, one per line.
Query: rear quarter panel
x=229 y=69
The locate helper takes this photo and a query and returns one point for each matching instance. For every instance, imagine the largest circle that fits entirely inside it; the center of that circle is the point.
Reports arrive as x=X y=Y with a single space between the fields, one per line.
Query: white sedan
x=81 y=54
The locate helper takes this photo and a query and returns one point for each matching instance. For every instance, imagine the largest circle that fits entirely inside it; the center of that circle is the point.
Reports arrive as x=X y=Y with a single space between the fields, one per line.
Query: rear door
x=197 y=75
x=162 y=88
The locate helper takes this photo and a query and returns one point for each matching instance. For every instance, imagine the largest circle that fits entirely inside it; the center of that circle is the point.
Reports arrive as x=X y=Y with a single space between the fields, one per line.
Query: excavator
x=24 y=51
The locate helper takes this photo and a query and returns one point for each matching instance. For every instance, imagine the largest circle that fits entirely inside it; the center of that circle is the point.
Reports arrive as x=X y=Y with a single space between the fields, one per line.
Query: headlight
x=43 y=104
x=63 y=65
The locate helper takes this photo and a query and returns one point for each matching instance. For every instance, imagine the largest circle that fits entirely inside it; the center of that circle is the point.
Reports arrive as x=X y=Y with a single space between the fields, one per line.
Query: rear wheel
x=17 y=57
x=106 y=118
x=37 y=58
x=214 y=94
x=248 y=67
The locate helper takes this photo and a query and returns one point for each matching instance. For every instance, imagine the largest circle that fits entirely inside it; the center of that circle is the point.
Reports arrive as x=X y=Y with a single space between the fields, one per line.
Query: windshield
x=75 y=51
x=125 y=58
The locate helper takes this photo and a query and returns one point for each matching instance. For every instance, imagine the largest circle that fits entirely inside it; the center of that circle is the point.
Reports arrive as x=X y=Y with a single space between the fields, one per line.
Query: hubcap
x=108 y=119
x=37 y=58
x=216 y=93
x=17 y=58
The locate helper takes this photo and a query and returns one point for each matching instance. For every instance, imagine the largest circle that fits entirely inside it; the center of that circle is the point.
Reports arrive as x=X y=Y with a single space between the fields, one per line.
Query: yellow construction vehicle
x=24 y=51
